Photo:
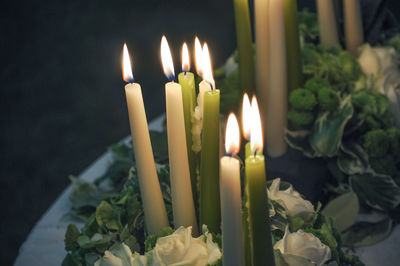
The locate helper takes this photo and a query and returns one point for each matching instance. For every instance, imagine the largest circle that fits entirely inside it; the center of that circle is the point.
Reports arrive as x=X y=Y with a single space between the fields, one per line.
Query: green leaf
x=366 y=234
x=159 y=143
x=96 y=240
x=83 y=193
x=108 y=216
x=91 y=258
x=299 y=140
x=327 y=133
x=353 y=159
x=71 y=237
x=376 y=190
x=344 y=210
x=295 y=223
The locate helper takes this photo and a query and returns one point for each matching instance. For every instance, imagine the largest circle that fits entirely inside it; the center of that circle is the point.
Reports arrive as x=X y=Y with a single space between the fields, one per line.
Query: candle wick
x=185 y=72
x=255 y=153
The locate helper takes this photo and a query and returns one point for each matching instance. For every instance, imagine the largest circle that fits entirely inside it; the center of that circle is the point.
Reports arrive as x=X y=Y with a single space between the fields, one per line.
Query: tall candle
x=186 y=80
x=353 y=26
x=210 y=213
x=275 y=122
x=231 y=200
x=293 y=58
x=181 y=189
x=150 y=191
x=261 y=8
x=257 y=199
x=245 y=45
x=328 y=31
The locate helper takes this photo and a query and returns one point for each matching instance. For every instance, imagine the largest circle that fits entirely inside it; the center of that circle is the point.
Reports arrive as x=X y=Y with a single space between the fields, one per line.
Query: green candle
x=186 y=80
x=210 y=212
x=257 y=204
x=293 y=53
x=257 y=200
x=245 y=45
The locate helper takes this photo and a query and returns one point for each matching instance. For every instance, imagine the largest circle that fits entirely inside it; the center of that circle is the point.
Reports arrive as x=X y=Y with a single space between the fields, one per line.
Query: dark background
x=61 y=92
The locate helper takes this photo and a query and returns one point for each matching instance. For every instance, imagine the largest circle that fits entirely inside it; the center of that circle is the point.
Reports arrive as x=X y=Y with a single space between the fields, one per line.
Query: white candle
x=181 y=189
x=353 y=26
x=231 y=204
x=150 y=191
x=327 y=23
x=276 y=105
x=262 y=54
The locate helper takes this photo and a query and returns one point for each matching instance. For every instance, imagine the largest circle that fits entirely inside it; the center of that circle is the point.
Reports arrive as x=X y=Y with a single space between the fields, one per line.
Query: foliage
x=320 y=225
x=114 y=215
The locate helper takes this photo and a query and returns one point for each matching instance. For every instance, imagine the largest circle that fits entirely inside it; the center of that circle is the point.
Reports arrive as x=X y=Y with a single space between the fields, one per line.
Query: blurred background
x=62 y=99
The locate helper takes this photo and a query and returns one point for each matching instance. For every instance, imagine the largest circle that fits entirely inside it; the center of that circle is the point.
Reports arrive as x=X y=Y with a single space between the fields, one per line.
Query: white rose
x=181 y=248
x=378 y=63
x=294 y=204
x=304 y=245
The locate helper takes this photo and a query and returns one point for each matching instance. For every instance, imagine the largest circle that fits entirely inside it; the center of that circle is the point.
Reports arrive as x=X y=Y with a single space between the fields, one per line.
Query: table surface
x=45 y=243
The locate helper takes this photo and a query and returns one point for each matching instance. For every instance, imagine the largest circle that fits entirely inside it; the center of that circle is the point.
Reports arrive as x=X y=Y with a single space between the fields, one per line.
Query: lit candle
x=276 y=105
x=257 y=200
x=186 y=80
x=245 y=45
x=353 y=26
x=150 y=191
x=293 y=52
x=210 y=213
x=246 y=126
x=231 y=200
x=328 y=32
x=181 y=189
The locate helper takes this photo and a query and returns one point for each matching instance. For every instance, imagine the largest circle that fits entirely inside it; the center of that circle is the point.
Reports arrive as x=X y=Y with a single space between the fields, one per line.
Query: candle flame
x=256 y=137
x=185 y=58
x=246 y=116
x=232 y=135
x=198 y=51
x=126 y=65
x=166 y=58
x=207 y=67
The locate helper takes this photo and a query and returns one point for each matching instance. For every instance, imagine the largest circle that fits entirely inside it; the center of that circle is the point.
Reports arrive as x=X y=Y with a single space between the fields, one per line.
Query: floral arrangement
x=347 y=113
x=115 y=234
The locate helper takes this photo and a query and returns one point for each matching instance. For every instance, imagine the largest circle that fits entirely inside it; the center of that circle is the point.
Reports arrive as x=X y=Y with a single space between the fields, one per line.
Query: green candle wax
x=258 y=218
x=245 y=46
x=187 y=81
x=293 y=53
x=210 y=211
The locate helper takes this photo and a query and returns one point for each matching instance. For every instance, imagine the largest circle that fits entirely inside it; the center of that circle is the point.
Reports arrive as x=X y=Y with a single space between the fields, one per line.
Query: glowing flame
x=207 y=67
x=166 y=59
x=126 y=65
x=198 y=51
x=232 y=135
x=185 y=58
x=256 y=137
x=246 y=116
